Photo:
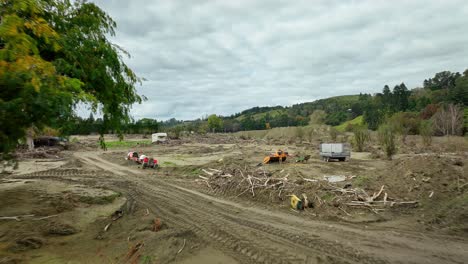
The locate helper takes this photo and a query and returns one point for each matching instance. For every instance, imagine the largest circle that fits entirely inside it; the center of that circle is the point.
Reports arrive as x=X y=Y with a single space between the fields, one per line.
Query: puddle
x=335 y=178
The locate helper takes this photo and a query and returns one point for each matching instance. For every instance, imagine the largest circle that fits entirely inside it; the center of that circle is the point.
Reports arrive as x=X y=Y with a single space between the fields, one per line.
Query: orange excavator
x=278 y=156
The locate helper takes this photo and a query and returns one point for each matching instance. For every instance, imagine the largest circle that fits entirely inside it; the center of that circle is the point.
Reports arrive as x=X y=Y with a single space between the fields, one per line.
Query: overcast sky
x=204 y=57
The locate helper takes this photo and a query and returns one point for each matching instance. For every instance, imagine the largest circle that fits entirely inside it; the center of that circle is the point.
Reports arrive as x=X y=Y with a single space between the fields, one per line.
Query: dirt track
x=254 y=235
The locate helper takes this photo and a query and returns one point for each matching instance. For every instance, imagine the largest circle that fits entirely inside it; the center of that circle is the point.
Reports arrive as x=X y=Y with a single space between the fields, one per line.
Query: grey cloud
x=204 y=57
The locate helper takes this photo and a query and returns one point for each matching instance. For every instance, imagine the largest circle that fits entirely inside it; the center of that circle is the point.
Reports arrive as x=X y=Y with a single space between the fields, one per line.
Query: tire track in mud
x=315 y=245
x=258 y=242
x=184 y=210
x=240 y=232
x=220 y=234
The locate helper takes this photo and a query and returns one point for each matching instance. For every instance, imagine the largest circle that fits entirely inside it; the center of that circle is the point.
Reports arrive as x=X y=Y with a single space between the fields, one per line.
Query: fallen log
x=207 y=172
x=17 y=217
x=375 y=196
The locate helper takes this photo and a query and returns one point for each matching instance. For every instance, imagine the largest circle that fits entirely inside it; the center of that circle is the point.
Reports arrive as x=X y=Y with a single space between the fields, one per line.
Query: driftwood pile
x=256 y=181
x=357 y=197
x=245 y=180
x=40 y=153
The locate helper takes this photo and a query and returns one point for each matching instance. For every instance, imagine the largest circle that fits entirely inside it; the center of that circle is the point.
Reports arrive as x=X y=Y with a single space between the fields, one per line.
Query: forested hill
x=339 y=108
x=442 y=97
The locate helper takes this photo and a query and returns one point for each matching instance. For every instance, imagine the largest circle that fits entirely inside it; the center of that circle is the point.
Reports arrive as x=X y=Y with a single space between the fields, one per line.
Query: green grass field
x=127 y=143
x=356 y=121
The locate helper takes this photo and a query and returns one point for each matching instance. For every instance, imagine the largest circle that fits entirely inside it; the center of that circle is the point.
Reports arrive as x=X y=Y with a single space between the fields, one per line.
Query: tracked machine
x=278 y=156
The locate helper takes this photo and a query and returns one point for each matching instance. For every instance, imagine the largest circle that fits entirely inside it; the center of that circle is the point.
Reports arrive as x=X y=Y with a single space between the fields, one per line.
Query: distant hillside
x=350 y=123
x=259 y=115
x=329 y=105
x=336 y=111
x=408 y=108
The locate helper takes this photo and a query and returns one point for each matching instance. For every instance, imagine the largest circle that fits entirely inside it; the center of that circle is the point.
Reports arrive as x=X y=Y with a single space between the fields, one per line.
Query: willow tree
x=53 y=55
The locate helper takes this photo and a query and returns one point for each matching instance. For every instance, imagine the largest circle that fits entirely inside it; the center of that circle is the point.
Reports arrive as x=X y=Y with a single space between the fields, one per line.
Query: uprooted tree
x=55 y=54
x=448 y=120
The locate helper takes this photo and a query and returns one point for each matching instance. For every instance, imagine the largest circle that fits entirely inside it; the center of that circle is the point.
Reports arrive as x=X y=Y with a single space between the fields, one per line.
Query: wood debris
x=132 y=255
x=24 y=217
x=252 y=181
x=17 y=217
x=245 y=180
x=182 y=248
x=156 y=225
x=107 y=227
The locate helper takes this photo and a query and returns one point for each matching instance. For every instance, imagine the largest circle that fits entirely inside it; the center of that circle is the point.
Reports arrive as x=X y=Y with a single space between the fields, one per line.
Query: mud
x=103 y=209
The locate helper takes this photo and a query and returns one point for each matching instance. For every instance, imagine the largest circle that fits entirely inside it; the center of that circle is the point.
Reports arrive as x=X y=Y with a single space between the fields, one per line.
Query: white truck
x=158 y=137
x=339 y=151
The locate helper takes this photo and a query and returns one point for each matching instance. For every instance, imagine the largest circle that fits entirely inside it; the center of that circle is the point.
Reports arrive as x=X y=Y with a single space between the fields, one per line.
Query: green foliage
x=465 y=118
x=386 y=134
x=405 y=123
x=169 y=164
x=361 y=137
x=175 y=132
x=399 y=100
x=90 y=57
x=54 y=54
x=362 y=181
x=296 y=115
x=127 y=143
x=32 y=92
x=374 y=112
x=232 y=125
x=328 y=197
x=336 y=118
x=317 y=117
x=426 y=132
x=215 y=123
x=102 y=142
x=459 y=93
x=203 y=128
x=348 y=126
x=333 y=133
x=377 y=108
x=196 y=171
x=147 y=126
x=442 y=80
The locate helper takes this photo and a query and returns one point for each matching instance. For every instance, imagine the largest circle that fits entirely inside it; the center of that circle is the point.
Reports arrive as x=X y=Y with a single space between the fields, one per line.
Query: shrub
x=52 y=132
x=429 y=111
x=175 y=132
x=426 y=132
x=405 y=123
x=317 y=117
x=361 y=136
x=333 y=133
x=299 y=133
x=387 y=140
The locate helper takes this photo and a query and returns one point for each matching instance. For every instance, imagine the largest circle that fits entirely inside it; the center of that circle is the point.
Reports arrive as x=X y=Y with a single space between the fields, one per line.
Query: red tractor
x=145 y=161
x=133 y=156
x=149 y=162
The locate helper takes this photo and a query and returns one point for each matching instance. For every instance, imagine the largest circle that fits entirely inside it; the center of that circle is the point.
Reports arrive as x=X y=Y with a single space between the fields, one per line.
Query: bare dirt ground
x=95 y=207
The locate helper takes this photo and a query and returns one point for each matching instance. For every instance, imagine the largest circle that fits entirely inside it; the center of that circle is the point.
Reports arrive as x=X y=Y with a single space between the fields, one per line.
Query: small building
x=158 y=137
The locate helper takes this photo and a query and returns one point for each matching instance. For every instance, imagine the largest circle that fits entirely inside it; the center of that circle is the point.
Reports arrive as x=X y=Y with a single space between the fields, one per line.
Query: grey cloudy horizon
x=222 y=57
